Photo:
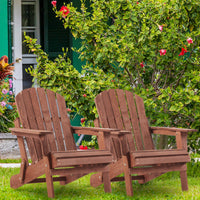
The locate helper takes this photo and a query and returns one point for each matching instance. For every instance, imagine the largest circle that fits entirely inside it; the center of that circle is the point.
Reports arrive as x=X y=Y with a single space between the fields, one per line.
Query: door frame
x=18 y=58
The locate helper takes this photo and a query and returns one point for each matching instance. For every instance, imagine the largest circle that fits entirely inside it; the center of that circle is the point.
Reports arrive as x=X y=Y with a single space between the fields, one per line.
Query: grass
x=165 y=187
x=10 y=161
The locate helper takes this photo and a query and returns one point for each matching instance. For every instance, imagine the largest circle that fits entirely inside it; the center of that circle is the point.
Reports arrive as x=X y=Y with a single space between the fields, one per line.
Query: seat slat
x=80 y=153
x=165 y=152
x=160 y=160
x=64 y=162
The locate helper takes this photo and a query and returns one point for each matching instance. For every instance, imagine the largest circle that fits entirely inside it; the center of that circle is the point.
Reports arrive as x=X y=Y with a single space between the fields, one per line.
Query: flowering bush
x=78 y=89
x=150 y=47
x=7 y=106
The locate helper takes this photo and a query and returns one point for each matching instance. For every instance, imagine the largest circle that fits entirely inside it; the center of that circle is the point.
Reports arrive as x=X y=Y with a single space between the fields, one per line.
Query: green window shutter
x=4 y=27
x=53 y=36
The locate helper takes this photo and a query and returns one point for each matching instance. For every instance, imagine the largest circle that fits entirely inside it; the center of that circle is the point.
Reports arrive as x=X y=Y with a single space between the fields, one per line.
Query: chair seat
x=155 y=157
x=82 y=157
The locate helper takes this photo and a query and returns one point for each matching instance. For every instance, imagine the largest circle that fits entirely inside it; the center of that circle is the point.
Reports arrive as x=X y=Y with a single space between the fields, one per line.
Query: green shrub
x=150 y=47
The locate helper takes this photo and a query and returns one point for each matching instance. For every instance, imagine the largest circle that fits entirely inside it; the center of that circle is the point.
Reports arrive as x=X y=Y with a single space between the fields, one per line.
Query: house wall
x=4 y=27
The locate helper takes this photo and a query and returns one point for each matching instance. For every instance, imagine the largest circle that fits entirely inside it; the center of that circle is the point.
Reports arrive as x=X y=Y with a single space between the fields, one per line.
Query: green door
x=4 y=27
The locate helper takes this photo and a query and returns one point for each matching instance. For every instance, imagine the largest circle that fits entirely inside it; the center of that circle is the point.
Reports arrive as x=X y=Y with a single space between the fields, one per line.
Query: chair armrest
x=179 y=133
x=106 y=138
x=93 y=130
x=29 y=132
x=170 y=131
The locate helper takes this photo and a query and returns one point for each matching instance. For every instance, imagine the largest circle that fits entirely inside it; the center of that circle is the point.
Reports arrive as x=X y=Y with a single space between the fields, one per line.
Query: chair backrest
x=45 y=110
x=122 y=110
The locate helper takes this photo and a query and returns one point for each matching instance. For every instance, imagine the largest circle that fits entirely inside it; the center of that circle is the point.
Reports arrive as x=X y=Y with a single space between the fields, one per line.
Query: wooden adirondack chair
x=122 y=110
x=49 y=137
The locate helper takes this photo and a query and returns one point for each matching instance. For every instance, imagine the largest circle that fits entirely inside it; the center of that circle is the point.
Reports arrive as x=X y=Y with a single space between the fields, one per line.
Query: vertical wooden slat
x=25 y=123
x=31 y=115
x=36 y=108
x=47 y=117
x=66 y=126
x=115 y=107
x=125 y=117
x=101 y=111
x=55 y=118
x=148 y=142
x=38 y=113
x=124 y=110
x=108 y=109
x=134 y=120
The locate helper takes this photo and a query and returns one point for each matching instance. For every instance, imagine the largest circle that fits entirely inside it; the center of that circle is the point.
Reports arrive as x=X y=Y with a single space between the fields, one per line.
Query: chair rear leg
x=184 y=182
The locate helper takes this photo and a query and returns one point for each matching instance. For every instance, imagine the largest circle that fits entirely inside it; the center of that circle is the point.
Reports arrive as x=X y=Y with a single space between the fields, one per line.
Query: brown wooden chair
x=122 y=110
x=49 y=137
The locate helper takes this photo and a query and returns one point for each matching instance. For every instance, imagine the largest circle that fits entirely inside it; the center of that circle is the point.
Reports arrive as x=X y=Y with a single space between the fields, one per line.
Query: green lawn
x=164 y=187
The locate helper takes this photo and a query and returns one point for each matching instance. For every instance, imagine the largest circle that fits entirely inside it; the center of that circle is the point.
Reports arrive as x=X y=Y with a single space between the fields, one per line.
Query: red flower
x=69 y=110
x=82 y=120
x=142 y=64
x=189 y=40
x=54 y=3
x=183 y=51
x=160 y=27
x=84 y=95
x=163 y=52
x=83 y=147
x=137 y=2
x=65 y=11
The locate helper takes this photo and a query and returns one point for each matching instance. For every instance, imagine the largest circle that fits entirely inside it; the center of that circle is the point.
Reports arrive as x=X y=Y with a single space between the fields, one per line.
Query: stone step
x=10 y=165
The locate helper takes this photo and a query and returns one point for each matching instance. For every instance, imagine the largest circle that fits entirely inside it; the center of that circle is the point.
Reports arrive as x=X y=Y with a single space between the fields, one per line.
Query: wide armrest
x=170 y=131
x=97 y=131
x=179 y=133
x=29 y=132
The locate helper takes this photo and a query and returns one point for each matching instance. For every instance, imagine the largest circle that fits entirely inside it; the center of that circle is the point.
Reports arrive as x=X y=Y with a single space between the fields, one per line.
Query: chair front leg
x=49 y=178
x=127 y=176
x=184 y=181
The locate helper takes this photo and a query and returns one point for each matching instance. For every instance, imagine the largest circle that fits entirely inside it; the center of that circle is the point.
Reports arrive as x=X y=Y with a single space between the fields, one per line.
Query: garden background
x=151 y=48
